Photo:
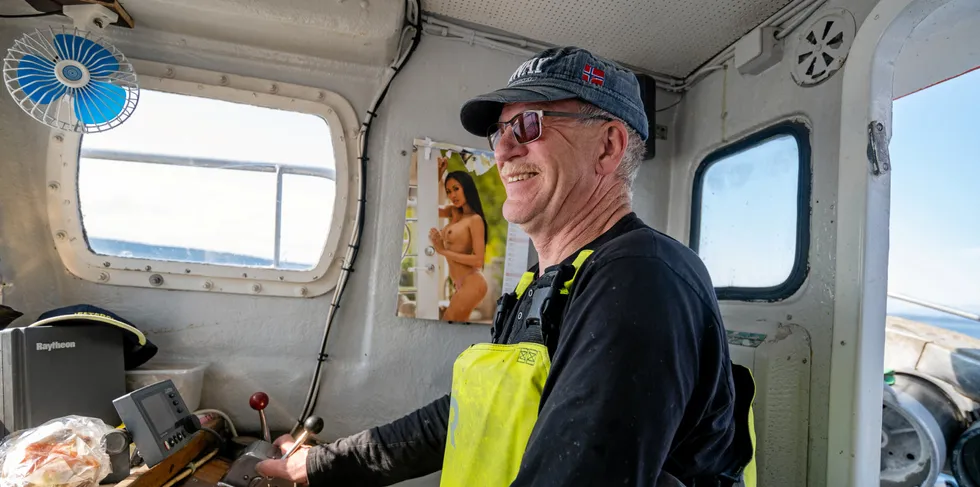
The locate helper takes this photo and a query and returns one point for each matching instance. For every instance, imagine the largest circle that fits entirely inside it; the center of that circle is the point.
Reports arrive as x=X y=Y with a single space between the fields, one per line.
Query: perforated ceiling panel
x=671 y=37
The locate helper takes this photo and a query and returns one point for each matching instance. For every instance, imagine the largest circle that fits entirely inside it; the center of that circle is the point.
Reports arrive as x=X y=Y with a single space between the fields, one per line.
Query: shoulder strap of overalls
x=528 y=277
x=546 y=309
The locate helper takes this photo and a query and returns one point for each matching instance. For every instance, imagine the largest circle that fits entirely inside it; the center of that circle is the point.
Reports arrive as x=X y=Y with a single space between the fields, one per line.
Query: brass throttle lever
x=311 y=426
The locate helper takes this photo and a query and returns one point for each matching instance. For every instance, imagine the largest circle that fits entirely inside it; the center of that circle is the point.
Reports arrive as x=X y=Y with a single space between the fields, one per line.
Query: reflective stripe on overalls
x=496 y=394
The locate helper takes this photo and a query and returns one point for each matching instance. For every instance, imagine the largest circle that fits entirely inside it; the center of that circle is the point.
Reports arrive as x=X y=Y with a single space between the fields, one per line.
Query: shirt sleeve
x=410 y=447
x=629 y=360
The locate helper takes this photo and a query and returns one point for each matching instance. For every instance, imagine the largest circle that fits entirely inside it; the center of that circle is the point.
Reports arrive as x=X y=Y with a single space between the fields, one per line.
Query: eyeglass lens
x=526 y=128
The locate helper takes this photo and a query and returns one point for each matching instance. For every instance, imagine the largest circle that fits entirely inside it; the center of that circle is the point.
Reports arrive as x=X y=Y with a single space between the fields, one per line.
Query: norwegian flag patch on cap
x=593 y=75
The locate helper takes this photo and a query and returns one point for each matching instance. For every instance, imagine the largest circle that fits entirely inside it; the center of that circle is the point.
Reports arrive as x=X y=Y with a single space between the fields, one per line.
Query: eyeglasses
x=526 y=126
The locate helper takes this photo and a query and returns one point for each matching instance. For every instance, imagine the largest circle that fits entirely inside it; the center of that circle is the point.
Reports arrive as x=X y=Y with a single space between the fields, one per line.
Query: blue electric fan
x=66 y=79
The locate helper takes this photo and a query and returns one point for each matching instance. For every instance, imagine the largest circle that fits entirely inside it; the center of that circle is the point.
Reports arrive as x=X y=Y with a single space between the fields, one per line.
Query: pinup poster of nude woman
x=458 y=253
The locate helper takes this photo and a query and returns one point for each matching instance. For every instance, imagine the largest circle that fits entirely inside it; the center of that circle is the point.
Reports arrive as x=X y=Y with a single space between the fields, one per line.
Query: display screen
x=160 y=414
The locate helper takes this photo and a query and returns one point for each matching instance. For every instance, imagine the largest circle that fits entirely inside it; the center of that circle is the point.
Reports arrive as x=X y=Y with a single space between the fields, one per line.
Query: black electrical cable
x=28 y=16
x=362 y=162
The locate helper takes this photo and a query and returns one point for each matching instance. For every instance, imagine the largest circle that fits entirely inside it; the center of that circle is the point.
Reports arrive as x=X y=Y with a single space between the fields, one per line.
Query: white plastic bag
x=64 y=452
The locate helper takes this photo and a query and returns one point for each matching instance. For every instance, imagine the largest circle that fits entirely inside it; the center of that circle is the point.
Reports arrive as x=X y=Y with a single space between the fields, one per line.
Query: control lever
x=259 y=401
x=312 y=426
x=242 y=471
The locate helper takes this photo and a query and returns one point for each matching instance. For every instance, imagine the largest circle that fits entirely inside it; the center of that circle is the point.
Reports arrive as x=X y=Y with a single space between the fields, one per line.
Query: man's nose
x=508 y=148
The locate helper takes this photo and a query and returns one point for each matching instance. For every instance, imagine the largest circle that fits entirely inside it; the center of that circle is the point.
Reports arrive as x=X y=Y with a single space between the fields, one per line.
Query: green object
x=890 y=377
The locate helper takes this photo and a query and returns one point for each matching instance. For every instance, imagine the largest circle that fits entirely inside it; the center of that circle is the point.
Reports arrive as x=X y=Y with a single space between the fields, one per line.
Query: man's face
x=547 y=179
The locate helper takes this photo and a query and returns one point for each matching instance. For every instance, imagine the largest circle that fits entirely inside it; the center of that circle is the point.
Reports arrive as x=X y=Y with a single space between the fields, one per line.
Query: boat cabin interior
x=249 y=190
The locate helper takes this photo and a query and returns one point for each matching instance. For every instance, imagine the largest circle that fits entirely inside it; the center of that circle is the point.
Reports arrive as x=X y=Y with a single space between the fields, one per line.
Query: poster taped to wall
x=458 y=254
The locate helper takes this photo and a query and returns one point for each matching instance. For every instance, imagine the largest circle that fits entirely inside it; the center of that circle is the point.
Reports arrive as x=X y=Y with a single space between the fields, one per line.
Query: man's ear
x=614 y=139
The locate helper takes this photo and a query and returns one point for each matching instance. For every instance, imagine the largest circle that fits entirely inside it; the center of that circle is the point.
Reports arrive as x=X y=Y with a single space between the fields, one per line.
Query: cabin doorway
x=872 y=252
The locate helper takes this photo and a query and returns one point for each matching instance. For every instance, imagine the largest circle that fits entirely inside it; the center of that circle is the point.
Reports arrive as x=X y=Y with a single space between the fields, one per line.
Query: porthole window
x=208 y=182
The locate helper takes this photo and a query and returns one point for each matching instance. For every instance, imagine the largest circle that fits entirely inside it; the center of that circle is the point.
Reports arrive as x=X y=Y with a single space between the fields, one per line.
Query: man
x=609 y=364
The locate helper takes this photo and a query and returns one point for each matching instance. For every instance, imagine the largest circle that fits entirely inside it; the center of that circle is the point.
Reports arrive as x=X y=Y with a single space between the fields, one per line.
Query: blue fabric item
x=134 y=354
x=562 y=73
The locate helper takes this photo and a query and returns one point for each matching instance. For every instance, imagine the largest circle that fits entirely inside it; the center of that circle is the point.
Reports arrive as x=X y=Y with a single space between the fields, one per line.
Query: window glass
x=934 y=230
x=747 y=213
x=199 y=180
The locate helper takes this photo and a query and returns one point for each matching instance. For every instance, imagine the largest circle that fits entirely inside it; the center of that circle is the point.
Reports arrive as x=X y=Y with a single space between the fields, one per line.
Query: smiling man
x=608 y=365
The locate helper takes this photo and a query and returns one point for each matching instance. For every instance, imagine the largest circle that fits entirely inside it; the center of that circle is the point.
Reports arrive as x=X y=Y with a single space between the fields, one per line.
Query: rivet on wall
x=256 y=288
x=54 y=185
x=104 y=276
x=223 y=80
x=61 y=235
x=156 y=280
x=208 y=285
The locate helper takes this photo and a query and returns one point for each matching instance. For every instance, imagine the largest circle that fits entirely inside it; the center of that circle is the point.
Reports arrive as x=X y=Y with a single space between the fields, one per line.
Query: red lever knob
x=258 y=401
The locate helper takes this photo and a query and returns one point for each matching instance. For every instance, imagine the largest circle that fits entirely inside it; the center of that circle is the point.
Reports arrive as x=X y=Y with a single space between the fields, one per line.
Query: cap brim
x=478 y=114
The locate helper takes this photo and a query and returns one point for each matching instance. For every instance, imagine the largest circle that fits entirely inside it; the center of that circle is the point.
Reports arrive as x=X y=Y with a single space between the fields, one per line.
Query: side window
x=750 y=214
x=198 y=180
x=215 y=187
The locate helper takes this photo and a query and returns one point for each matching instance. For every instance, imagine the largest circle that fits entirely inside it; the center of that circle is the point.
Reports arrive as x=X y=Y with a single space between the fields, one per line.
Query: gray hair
x=635 y=147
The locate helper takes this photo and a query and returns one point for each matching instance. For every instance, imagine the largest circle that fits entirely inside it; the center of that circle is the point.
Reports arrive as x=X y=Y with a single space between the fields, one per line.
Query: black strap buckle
x=505 y=304
x=546 y=303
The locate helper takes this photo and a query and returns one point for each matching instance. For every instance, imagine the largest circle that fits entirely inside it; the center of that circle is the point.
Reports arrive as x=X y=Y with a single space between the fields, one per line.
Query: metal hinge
x=878 y=148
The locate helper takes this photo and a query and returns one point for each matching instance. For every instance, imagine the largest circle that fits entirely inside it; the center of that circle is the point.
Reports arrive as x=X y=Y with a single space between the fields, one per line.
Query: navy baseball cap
x=562 y=73
x=137 y=350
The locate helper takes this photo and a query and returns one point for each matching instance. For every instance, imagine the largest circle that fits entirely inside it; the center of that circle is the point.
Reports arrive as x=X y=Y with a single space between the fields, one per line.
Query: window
x=751 y=211
x=934 y=232
x=233 y=188
x=192 y=179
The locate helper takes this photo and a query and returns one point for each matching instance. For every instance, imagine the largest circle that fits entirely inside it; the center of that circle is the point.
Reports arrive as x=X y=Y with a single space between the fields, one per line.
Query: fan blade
x=38 y=80
x=99 y=102
x=98 y=59
x=37 y=62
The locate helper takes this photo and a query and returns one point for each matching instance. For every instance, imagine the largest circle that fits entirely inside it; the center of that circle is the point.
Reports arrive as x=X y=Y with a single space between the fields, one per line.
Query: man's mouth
x=515 y=177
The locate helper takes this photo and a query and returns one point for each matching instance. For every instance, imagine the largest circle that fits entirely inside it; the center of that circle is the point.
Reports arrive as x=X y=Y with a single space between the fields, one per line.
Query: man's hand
x=292 y=469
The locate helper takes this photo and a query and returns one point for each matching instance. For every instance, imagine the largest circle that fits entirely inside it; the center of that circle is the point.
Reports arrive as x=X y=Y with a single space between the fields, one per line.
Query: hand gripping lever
x=311 y=426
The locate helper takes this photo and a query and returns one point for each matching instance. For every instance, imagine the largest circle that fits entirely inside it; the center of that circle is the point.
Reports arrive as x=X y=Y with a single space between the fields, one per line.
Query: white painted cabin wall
x=726 y=106
x=380 y=366
x=944 y=45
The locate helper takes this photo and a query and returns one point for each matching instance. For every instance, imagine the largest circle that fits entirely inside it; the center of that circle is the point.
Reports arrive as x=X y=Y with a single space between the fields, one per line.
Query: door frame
x=861 y=282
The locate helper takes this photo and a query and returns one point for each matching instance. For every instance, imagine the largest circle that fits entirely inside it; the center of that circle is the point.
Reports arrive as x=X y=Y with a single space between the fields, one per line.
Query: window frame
x=801 y=266
x=66 y=221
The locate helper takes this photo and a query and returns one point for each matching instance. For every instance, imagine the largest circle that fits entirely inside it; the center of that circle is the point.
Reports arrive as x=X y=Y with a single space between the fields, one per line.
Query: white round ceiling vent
x=822 y=47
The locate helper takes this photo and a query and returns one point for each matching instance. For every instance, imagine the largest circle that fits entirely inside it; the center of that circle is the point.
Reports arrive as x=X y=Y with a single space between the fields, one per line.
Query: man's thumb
x=272 y=468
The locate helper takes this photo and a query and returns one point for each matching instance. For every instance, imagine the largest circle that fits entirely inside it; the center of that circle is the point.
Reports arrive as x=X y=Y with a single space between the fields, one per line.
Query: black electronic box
x=47 y=372
x=158 y=420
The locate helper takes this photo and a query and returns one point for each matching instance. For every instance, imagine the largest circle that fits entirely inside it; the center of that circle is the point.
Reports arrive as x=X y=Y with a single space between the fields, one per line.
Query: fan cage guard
x=59 y=113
